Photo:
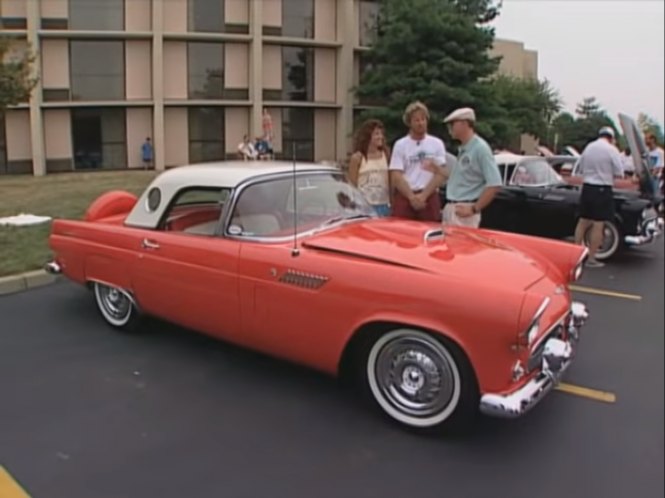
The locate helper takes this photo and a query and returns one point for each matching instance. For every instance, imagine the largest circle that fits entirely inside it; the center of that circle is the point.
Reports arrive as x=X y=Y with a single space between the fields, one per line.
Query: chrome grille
x=557 y=331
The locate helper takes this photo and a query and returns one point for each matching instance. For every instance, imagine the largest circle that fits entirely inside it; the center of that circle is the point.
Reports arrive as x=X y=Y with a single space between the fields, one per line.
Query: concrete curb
x=25 y=281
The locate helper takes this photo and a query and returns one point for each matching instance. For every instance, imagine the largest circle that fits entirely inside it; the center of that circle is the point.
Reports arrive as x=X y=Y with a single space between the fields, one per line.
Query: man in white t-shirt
x=416 y=168
x=656 y=156
x=600 y=164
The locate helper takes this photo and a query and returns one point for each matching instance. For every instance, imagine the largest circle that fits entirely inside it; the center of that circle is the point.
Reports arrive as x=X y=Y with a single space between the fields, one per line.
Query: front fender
x=560 y=257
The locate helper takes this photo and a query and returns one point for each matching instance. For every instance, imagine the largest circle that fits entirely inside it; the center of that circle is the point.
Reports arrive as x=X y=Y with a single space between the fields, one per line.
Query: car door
x=186 y=272
x=506 y=211
x=286 y=290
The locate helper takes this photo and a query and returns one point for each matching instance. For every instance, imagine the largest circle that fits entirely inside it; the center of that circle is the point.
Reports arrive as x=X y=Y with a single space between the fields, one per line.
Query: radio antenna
x=295 y=251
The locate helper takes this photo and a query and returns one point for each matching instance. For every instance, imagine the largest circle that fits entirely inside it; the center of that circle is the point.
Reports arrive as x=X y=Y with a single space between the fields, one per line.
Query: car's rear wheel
x=116 y=307
x=611 y=241
x=421 y=381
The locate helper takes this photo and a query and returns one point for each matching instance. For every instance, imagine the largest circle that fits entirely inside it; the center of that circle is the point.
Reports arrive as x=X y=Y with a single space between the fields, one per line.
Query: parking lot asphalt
x=86 y=412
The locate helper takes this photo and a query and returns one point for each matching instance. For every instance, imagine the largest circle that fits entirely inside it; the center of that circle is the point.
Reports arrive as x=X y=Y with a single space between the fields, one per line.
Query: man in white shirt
x=656 y=157
x=628 y=164
x=600 y=163
x=416 y=168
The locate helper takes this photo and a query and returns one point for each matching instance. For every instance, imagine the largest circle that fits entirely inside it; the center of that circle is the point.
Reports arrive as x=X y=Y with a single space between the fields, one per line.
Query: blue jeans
x=382 y=210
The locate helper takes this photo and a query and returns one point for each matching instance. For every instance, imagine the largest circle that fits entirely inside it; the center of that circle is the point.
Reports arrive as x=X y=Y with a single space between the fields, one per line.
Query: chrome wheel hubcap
x=415 y=376
x=116 y=304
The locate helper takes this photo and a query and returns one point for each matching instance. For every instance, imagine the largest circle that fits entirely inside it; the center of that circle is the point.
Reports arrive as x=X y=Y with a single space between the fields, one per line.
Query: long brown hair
x=363 y=136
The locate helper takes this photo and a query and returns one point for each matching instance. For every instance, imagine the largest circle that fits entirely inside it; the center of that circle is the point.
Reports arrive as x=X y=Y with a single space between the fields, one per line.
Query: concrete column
x=346 y=34
x=158 y=83
x=36 y=121
x=256 y=66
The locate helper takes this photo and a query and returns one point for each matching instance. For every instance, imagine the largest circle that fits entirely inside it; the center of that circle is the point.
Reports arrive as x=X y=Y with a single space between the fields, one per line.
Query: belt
x=472 y=201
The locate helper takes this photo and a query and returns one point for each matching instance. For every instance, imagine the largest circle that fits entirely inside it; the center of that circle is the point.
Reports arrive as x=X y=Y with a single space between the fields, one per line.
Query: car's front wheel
x=116 y=307
x=421 y=381
x=611 y=244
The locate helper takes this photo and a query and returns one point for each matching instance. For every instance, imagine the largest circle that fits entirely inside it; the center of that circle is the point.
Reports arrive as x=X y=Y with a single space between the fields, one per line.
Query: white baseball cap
x=606 y=130
x=463 y=114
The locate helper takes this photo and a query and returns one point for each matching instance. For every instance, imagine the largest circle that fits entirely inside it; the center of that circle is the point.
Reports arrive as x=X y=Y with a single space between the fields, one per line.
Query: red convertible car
x=435 y=323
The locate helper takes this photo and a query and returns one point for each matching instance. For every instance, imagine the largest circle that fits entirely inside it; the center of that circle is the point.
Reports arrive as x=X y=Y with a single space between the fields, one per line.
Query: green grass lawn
x=65 y=195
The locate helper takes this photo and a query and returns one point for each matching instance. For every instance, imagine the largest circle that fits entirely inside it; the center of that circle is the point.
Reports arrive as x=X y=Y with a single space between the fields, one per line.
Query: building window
x=205 y=66
x=13 y=23
x=205 y=15
x=97 y=15
x=206 y=134
x=3 y=145
x=298 y=73
x=367 y=18
x=99 y=138
x=298 y=18
x=97 y=70
x=298 y=132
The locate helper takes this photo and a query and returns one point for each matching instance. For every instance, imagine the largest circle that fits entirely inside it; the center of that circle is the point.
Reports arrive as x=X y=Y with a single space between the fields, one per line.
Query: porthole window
x=154 y=198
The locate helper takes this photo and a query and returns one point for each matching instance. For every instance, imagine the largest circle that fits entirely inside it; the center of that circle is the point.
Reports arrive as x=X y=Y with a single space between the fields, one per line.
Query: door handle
x=149 y=244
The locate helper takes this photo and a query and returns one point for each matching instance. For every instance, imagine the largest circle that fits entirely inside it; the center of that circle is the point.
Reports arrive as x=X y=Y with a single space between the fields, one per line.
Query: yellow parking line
x=603 y=292
x=9 y=488
x=585 y=392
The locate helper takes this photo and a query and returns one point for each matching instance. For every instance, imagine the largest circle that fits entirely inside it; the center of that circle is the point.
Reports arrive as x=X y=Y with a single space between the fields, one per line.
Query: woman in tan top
x=368 y=167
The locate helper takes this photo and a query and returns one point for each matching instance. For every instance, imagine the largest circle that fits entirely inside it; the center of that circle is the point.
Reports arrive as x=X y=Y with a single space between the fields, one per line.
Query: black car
x=535 y=200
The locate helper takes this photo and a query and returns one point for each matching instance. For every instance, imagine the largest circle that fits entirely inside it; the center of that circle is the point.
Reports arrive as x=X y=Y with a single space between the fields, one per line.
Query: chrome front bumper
x=651 y=230
x=558 y=354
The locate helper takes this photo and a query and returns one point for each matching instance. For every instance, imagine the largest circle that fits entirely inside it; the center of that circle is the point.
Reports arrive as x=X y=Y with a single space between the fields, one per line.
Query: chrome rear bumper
x=651 y=230
x=558 y=355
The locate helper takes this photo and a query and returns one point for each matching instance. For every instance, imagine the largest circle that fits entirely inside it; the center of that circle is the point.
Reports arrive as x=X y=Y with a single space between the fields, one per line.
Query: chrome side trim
x=302 y=279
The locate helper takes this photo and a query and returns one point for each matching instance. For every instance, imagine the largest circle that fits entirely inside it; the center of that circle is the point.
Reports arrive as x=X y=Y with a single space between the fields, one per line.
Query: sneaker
x=592 y=263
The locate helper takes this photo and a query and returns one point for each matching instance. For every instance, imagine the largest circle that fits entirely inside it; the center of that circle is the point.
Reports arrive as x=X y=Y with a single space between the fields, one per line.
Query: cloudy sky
x=610 y=49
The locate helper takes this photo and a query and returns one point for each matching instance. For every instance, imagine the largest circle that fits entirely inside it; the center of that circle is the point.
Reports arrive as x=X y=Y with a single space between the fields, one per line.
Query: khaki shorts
x=450 y=218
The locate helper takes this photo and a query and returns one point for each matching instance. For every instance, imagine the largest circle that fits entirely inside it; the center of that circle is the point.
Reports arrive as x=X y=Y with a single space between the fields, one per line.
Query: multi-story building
x=193 y=75
x=516 y=59
x=519 y=62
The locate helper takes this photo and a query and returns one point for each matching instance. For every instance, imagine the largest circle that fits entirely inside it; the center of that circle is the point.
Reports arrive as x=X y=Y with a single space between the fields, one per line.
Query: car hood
x=639 y=152
x=452 y=252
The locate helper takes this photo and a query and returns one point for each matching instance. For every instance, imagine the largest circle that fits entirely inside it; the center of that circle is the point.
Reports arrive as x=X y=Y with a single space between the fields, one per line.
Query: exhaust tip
x=53 y=268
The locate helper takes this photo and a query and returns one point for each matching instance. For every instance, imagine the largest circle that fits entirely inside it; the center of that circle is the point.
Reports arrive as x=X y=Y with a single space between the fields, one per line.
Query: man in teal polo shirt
x=475 y=179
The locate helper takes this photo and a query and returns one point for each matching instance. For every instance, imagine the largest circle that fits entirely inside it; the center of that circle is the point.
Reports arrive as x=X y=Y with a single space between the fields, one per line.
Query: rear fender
x=108 y=270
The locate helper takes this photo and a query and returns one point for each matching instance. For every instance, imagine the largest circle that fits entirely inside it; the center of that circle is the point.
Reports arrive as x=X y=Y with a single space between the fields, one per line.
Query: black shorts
x=597 y=202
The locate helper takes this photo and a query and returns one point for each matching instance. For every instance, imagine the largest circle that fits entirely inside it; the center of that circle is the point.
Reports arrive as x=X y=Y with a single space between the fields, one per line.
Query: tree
x=435 y=51
x=513 y=106
x=578 y=132
x=588 y=108
x=649 y=124
x=16 y=83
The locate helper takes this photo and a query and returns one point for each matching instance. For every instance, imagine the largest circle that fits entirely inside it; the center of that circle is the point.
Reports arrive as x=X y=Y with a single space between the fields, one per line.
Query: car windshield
x=535 y=172
x=313 y=201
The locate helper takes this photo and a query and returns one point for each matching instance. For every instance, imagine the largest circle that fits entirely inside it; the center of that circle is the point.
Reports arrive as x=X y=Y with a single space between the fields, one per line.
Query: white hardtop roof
x=508 y=158
x=229 y=173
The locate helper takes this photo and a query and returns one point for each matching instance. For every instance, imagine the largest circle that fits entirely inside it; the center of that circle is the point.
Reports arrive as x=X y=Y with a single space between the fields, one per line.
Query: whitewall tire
x=115 y=306
x=612 y=241
x=418 y=380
